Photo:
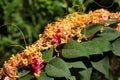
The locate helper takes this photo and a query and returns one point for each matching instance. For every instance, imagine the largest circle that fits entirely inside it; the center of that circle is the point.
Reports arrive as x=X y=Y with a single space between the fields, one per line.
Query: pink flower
x=104 y=16
x=57 y=38
x=37 y=64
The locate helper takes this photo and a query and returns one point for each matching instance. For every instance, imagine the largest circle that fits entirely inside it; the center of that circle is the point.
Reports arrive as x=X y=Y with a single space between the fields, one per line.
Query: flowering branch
x=55 y=33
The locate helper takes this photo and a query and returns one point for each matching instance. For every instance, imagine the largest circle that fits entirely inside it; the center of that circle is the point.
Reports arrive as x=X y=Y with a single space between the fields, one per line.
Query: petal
x=37 y=64
x=104 y=16
x=41 y=66
x=57 y=38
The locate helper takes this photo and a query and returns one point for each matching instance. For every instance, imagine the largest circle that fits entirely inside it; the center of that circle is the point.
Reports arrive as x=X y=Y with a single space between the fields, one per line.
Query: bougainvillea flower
x=104 y=16
x=37 y=64
x=57 y=38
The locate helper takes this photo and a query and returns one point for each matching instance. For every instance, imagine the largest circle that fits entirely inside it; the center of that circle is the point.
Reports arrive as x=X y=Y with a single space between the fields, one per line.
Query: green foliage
x=30 y=16
x=57 y=68
x=47 y=55
x=116 y=47
x=71 y=78
x=88 y=60
x=109 y=34
x=75 y=59
x=111 y=21
x=117 y=1
x=73 y=50
x=85 y=74
x=105 y=46
x=102 y=66
x=23 y=73
x=45 y=77
x=27 y=77
x=91 y=30
x=77 y=64
x=92 y=48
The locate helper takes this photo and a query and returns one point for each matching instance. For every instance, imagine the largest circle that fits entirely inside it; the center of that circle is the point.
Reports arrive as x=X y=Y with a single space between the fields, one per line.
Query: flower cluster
x=69 y=28
x=19 y=60
x=58 y=32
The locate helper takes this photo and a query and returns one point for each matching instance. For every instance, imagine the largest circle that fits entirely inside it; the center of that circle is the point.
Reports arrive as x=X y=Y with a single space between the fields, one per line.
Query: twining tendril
x=9 y=24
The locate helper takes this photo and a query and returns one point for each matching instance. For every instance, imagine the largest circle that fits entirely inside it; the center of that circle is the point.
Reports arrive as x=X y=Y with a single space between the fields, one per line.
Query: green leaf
x=102 y=66
x=23 y=73
x=117 y=1
x=109 y=33
x=43 y=76
x=92 y=48
x=73 y=49
x=91 y=29
x=85 y=74
x=87 y=2
x=57 y=68
x=105 y=46
x=71 y=78
x=27 y=77
x=80 y=2
x=78 y=64
x=116 y=47
x=112 y=21
x=47 y=55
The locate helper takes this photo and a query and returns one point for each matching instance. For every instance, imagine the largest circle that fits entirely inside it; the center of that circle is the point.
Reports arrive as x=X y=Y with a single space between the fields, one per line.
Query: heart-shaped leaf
x=102 y=66
x=85 y=74
x=47 y=55
x=57 y=68
x=92 y=48
x=91 y=29
x=43 y=76
x=73 y=49
x=116 y=47
x=112 y=21
x=103 y=44
x=71 y=78
x=78 y=64
x=109 y=34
